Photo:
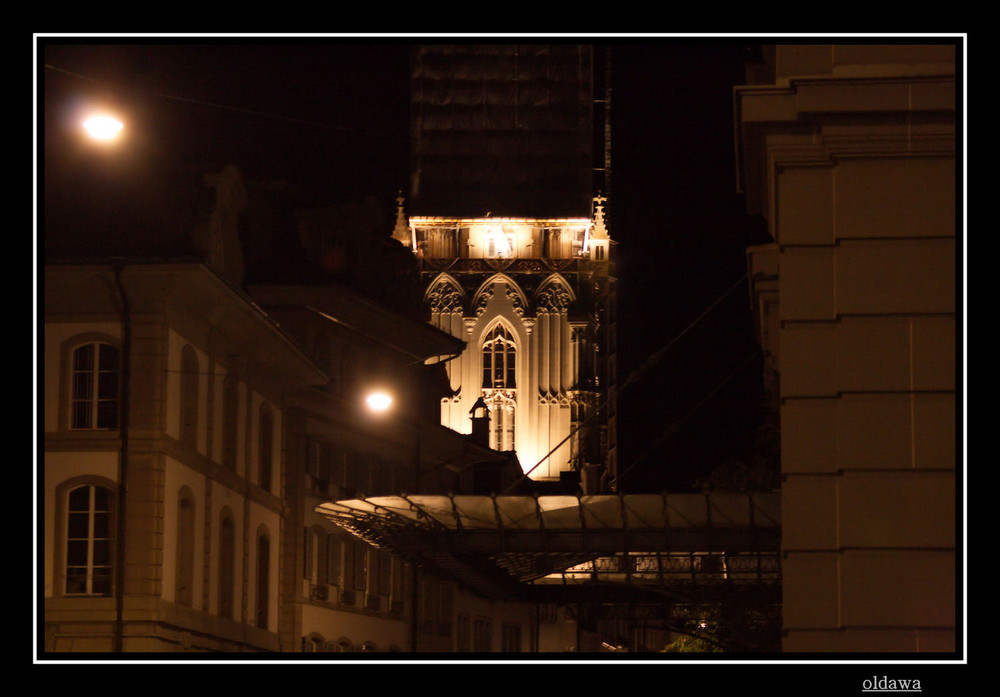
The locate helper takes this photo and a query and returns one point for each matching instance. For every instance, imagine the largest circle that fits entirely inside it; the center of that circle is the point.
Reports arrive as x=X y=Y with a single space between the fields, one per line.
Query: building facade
x=193 y=422
x=849 y=153
x=163 y=478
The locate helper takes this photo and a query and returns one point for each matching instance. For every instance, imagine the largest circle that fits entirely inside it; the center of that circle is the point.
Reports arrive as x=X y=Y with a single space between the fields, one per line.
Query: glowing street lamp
x=379 y=401
x=103 y=127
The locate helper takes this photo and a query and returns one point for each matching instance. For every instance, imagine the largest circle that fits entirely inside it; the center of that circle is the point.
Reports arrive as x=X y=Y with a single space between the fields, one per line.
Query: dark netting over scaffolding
x=519 y=546
x=507 y=129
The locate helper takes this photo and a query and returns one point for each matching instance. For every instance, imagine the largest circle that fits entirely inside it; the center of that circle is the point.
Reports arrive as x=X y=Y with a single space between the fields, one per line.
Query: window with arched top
x=499 y=357
x=265 y=449
x=343 y=645
x=499 y=363
x=184 y=589
x=263 y=578
x=334 y=559
x=314 y=643
x=230 y=420
x=88 y=540
x=314 y=555
x=227 y=562
x=189 y=396
x=94 y=386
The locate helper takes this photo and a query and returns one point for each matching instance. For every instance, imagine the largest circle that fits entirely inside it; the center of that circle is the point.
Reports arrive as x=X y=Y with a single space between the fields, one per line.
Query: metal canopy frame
x=508 y=546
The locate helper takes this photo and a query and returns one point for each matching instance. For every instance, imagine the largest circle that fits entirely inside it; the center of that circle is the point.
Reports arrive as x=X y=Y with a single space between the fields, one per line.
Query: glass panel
x=108 y=360
x=83 y=358
x=265 y=447
x=79 y=499
x=348 y=565
x=107 y=415
x=263 y=576
x=107 y=387
x=81 y=415
x=102 y=525
x=385 y=575
x=102 y=582
x=76 y=553
x=360 y=559
x=332 y=560
x=226 y=562
x=102 y=499
x=76 y=581
x=83 y=385
x=102 y=552
x=78 y=526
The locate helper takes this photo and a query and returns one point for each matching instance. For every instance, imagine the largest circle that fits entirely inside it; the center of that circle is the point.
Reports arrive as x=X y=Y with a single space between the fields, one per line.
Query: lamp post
x=379 y=402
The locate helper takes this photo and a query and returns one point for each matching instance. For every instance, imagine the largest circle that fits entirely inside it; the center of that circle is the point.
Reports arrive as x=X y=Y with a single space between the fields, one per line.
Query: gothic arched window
x=499 y=354
x=499 y=383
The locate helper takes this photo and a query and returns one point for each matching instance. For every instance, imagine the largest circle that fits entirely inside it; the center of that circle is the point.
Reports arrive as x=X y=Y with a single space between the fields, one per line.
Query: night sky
x=333 y=115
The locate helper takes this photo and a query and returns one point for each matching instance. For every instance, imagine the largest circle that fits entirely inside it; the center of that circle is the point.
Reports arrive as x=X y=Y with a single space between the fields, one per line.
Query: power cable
x=650 y=361
x=226 y=107
x=675 y=427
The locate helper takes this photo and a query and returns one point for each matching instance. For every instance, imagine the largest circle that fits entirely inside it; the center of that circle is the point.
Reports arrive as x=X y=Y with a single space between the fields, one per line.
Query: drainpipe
x=415 y=598
x=123 y=428
x=414 y=601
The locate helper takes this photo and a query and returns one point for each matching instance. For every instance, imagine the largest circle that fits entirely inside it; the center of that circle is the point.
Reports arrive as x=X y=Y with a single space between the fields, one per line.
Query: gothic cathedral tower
x=509 y=146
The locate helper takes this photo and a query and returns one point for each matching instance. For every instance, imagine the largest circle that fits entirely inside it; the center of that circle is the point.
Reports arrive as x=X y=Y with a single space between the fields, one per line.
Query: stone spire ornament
x=600 y=229
x=401 y=231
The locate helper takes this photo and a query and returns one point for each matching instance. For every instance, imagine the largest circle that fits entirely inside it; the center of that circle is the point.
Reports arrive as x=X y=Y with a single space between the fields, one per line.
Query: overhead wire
x=675 y=427
x=214 y=105
x=650 y=361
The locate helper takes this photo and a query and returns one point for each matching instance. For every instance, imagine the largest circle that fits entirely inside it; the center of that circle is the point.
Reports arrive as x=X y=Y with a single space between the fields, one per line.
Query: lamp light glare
x=378 y=401
x=103 y=127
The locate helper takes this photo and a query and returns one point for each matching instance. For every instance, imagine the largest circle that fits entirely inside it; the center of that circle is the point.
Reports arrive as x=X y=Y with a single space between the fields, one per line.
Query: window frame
x=189 y=397
x=226 y=579
x=67 y=396
x=262 y=576
x=230 y=422
x=482 y=635
x=61 y=548
x=265 y=447
x=185 y=558
x=499 y=334
x=511 y=637
x=499 y=383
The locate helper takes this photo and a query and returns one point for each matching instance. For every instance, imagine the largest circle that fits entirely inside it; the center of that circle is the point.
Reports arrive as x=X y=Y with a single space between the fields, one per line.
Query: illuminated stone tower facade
x=531 y=299
x=514 y=250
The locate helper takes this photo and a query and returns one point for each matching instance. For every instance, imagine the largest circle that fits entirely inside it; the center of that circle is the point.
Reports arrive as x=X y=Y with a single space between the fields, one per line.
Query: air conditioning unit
x=347 y=598
x=319 y=592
